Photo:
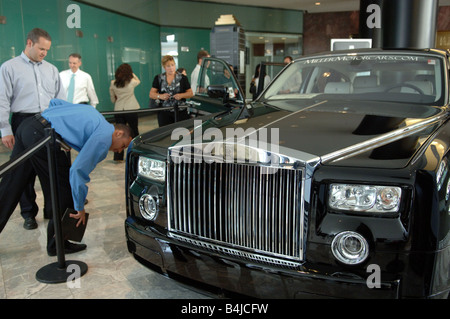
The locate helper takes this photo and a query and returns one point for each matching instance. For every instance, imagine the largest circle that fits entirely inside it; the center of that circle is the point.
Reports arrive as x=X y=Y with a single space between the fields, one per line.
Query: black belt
x=21 y=114
x=42 y=120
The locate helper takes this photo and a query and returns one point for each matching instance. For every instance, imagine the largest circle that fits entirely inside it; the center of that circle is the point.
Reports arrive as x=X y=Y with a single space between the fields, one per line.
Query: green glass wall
x=105 y=40
x=190 y=41
x=116 y=31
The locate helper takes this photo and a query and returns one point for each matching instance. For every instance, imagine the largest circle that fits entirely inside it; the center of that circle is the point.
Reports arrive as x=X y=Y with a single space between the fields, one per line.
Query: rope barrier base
x=54 y=274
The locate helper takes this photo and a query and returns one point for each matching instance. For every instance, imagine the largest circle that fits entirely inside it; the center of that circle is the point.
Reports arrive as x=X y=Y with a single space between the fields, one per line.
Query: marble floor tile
x=112 y=273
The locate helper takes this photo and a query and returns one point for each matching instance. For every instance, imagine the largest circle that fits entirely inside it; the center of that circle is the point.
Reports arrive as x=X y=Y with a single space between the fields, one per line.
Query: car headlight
x=152 y=169
x=364 y=198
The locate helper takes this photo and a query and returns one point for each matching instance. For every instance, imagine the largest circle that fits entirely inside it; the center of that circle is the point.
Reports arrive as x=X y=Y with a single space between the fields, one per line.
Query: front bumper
x=222 y=275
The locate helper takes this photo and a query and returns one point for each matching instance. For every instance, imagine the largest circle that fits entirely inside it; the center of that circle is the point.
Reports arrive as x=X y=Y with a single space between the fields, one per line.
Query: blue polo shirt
x=86 y=131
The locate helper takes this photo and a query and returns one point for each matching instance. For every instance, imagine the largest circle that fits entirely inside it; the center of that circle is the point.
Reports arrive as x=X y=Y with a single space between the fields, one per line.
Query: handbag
x=154 y=104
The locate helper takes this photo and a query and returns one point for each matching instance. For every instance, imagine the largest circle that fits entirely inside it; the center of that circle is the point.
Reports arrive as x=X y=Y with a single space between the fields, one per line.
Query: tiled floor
x=112 y=270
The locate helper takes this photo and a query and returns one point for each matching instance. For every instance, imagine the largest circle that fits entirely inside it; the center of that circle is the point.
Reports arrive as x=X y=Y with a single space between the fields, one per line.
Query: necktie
x=70 y=89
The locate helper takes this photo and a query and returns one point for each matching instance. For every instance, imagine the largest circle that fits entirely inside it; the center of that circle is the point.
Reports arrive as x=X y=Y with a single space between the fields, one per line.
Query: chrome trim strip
x=284 y=158
x=237 y=253
x=381 y=140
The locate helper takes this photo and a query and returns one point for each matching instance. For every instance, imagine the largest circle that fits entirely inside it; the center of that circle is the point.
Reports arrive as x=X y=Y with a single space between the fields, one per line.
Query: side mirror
x=218 y=91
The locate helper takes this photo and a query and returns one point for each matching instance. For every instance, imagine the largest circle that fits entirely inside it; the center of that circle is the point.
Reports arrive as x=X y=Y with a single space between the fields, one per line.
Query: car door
x=217 y=89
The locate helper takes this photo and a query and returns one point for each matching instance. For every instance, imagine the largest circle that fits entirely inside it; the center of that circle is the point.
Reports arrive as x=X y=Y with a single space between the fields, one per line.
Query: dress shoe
x=30 y=223
x=69 y=248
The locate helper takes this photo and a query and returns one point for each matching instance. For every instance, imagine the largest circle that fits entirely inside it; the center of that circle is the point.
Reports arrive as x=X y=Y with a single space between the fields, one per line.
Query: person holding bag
x=170 y=89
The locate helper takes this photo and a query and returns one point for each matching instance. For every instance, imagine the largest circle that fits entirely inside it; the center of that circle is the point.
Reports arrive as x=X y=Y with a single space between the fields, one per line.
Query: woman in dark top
x=170 y=89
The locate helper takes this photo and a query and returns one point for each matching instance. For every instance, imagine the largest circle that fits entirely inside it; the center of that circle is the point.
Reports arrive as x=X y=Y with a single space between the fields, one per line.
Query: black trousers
x=28 y=206
x=132 y=120
x=13 y=182
x=167 y=117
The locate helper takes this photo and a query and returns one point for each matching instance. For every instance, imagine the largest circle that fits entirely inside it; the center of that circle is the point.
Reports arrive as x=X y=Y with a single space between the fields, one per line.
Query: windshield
x=404 y=78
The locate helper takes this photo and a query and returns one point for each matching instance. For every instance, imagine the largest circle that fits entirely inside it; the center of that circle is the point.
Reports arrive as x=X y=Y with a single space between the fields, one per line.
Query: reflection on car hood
x=365 y=134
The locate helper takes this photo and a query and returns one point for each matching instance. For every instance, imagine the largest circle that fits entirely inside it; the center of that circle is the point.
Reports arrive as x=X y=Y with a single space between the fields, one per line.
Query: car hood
x=356 y=133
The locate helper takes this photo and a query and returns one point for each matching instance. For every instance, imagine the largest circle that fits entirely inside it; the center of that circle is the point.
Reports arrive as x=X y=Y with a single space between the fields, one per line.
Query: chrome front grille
x=250 y=209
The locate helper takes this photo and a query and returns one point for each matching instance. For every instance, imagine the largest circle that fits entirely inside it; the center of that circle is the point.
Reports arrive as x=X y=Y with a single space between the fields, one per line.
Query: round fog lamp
x=350 y=248
x=148 y=206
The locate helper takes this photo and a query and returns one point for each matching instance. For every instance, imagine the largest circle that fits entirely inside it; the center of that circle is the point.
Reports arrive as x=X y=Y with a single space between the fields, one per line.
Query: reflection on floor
x=112 y=271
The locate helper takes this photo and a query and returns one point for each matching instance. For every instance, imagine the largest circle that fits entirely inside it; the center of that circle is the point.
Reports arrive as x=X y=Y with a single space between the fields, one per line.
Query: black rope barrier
x=180 y=107
x=22 y=157
x=174 y=108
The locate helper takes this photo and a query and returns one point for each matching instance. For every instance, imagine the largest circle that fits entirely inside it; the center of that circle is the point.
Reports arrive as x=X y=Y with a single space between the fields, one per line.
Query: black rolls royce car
x=333 y=183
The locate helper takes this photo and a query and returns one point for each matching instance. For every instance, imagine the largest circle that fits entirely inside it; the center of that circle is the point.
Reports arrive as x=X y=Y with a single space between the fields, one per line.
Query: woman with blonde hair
x=122 y=95
x=170 y=89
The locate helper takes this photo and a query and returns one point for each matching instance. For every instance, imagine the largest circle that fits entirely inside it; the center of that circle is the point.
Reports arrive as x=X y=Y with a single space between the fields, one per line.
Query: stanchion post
x=175 y=109
x=55 y=198
x=57 y=272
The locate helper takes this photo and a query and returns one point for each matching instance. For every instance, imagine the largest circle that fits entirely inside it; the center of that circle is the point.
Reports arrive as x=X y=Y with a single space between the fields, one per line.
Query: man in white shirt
x=194 y=75
x=83 y=91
